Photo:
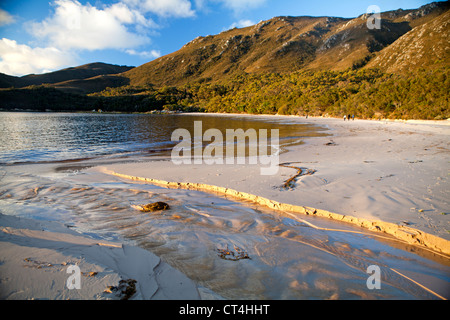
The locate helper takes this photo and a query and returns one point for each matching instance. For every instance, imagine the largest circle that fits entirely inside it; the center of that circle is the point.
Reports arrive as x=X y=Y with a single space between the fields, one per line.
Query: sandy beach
x=385 y=171
x=391 y=171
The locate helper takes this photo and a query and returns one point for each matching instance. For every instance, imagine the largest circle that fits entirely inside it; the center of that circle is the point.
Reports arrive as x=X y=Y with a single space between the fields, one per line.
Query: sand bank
x=388 y=176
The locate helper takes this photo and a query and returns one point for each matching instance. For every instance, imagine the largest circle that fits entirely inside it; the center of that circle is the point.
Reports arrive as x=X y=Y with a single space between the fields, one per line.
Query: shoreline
x=445 y=122
x=403 y=233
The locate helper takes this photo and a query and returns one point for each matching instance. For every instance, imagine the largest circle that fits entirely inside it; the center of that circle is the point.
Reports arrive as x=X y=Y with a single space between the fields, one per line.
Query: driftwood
x=290 y=183
x=236 y=255
x=151 y=207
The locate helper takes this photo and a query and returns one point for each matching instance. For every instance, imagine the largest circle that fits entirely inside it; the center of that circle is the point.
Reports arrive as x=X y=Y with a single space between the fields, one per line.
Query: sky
x=38 y=36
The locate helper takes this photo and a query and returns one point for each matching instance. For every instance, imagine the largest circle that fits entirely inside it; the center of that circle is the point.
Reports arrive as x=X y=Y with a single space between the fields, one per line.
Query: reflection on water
x=38 y=137
x=288 y=258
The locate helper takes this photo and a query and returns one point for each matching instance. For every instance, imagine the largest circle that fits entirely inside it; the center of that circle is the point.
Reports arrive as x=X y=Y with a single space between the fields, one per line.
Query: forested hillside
x=367 y=93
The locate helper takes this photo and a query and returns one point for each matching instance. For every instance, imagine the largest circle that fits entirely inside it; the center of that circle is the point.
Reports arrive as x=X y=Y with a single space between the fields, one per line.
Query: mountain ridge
x=286 y=44
x=64 y=76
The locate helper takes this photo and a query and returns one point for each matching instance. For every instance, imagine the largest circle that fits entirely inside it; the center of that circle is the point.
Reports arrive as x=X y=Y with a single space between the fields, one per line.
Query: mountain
x=286 y=44
x=426 y=46
x=71 y=79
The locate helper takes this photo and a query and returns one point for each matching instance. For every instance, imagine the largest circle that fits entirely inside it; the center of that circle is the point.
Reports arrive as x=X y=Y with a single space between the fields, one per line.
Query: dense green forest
x=366 y=93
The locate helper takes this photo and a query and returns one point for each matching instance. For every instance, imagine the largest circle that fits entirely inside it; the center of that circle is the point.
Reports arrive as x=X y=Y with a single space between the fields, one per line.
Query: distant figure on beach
x=348 y=117
x=353 y=117
x=306 y=116
x=345 y=117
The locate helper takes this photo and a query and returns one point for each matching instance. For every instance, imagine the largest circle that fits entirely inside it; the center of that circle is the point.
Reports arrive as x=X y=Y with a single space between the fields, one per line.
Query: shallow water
x=289 y=259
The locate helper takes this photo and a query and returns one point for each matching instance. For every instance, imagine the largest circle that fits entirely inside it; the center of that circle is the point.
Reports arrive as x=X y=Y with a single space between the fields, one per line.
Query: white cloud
x=77 y=26
x=164 y=8
x=5 y=18
x=242 y=24
x=19 y=59
x=153 y=54
x=73 y=27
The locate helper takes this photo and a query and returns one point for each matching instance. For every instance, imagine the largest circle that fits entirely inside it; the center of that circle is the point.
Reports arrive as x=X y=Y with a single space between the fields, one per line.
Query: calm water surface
x=38 y=137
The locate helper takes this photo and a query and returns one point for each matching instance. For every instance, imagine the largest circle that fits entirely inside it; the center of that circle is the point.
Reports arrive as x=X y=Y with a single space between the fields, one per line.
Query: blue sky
x=39 y=36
